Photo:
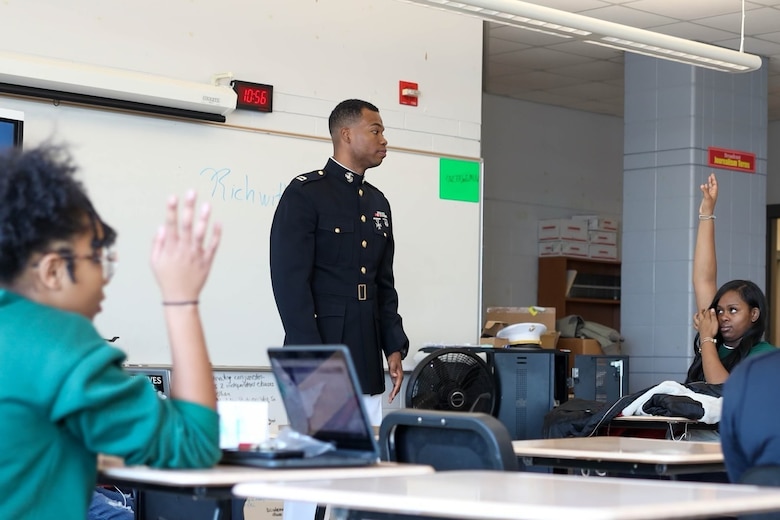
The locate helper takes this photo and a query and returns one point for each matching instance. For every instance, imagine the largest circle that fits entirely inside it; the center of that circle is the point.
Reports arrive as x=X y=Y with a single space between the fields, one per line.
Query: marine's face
x=735 y=317
x=367 y=143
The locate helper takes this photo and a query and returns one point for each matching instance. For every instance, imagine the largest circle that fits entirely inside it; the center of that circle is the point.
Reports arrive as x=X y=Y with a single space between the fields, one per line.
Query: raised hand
x=706 y=323
x=709 y=197
x=181 y=258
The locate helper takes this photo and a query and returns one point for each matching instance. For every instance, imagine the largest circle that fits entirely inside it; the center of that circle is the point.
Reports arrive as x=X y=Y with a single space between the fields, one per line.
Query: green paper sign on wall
x=459 y=180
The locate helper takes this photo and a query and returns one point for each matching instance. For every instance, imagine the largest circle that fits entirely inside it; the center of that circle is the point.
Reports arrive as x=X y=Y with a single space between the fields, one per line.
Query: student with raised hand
x=64 y=396
x=730 y=320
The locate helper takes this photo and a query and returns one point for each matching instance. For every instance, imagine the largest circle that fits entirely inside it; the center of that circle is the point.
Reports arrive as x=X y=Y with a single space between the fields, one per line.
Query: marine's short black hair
x=346 y=113
x=41 y=202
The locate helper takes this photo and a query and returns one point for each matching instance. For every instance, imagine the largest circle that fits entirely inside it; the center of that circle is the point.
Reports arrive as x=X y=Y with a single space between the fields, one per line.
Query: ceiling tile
x=497 y=46
x=539 y=58
x=757 y=21
x=688 y=9
x=598 y=70
x=589 y=91
x=588 y=51
x=628 y=16
x=537 y=80
x=693 y=31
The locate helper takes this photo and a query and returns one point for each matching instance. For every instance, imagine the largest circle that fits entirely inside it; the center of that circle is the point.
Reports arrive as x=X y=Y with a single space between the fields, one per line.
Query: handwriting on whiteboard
x=229 y=187
x=246 y=386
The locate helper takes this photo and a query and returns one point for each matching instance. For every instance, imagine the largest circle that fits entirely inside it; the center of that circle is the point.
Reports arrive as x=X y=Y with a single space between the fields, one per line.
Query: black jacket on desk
x=332 y=269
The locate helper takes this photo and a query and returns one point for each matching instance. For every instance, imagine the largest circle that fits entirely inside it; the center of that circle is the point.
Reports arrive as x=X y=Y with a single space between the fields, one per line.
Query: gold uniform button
x=363 y=270
x=337 y=230
x=364 y=244
x=321 y=172
x=362 y=218
x=360 y=192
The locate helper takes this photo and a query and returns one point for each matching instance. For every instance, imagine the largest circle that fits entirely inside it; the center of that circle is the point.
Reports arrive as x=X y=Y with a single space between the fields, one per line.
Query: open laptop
x=322 y=398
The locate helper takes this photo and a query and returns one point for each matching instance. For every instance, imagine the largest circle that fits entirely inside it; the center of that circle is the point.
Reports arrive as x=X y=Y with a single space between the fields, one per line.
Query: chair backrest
x=446 y=440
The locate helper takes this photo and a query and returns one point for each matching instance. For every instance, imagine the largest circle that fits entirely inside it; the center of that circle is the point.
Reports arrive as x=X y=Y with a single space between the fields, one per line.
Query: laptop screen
x=321 y=394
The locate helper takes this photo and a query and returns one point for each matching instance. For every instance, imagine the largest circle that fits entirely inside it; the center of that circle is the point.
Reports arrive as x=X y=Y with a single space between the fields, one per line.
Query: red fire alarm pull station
x=408 y=93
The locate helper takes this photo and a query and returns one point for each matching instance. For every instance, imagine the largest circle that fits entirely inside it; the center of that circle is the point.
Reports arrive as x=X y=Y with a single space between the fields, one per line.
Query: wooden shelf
x=599 y=301
x=552 y=289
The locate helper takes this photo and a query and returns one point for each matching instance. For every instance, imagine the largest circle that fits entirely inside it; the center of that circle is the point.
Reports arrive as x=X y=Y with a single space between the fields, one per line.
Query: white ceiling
x=537 y=67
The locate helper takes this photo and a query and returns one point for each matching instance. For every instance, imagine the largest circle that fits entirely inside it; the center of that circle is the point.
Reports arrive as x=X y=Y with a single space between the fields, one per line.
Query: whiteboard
x=131 y=163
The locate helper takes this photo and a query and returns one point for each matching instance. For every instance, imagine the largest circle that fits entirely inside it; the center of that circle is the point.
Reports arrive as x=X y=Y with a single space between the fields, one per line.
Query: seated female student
x=731 y=320
x=64 y=396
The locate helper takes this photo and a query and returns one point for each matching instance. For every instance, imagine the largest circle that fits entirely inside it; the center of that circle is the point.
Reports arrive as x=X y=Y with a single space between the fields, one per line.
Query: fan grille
x=452 y=379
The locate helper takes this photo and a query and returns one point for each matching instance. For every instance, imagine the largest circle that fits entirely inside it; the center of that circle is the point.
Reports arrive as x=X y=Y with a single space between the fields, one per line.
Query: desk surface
x=524 y=496
x=223 y=475
x=622 y=449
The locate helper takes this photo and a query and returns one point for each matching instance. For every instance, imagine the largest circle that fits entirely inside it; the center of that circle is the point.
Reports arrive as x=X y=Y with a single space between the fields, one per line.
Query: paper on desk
x=242 y=422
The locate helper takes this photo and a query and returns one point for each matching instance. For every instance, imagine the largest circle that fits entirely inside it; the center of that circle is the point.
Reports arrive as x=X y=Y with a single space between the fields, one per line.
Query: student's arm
x=705 y=268
x=181 y=261
x=705 y=273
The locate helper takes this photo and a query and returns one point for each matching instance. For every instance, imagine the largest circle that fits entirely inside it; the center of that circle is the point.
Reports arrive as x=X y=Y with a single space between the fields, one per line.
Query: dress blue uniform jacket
x=750 y=424
x=332 y=269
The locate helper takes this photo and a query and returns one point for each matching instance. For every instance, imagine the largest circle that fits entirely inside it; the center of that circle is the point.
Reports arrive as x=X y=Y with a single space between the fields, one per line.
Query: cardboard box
x=496 y=318
x=602 y=252
x=563 y=229
x=603 y=237
x=563 y=248
x=579 y=346
x=599 y=222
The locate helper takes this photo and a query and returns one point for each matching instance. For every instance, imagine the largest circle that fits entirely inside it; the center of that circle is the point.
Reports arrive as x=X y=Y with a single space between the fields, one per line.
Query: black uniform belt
x=361 y=291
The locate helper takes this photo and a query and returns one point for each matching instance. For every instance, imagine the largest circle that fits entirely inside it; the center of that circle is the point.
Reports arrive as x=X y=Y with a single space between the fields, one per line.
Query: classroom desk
x=509 y=495
x=627 y=455
x=217 y=482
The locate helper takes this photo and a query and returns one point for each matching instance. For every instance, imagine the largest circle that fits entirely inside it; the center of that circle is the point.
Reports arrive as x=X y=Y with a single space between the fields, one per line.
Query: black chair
x=762 y=476
x=446 y=440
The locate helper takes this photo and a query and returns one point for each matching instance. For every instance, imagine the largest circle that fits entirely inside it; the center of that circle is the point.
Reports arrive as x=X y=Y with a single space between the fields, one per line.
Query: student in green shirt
x=731 y=320
x=64 y=396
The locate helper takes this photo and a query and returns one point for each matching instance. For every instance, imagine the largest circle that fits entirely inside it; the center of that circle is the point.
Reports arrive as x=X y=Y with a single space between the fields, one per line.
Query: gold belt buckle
x=362 y=291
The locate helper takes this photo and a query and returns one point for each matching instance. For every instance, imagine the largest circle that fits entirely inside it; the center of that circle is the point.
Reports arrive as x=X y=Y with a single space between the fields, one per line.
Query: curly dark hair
x=346 y=113
x=41 y=202
x=754 y=297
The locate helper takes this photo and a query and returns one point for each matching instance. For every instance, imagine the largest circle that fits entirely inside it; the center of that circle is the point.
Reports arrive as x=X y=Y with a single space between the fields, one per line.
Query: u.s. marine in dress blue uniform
x=332 y=269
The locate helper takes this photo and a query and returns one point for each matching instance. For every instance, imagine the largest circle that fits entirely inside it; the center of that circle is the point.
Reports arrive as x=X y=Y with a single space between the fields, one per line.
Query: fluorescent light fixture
x=61 y=80
x=600 y=32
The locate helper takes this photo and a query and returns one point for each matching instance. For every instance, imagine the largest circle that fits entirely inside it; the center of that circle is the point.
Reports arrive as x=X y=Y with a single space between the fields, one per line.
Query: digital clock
x=253 y=96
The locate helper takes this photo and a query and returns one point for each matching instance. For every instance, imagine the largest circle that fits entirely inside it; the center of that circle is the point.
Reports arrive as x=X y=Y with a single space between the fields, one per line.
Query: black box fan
x=516 y=385
x=452 y=379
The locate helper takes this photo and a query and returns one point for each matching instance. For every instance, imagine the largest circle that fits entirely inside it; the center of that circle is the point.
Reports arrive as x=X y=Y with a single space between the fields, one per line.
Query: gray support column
x=673 y=113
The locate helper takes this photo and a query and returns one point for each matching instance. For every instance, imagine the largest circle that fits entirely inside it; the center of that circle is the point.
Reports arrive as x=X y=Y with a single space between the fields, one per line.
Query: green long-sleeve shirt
x=64 y=397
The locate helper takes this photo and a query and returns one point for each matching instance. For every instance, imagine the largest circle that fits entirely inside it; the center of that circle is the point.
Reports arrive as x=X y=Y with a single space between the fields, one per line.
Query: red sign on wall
x=731 y=159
